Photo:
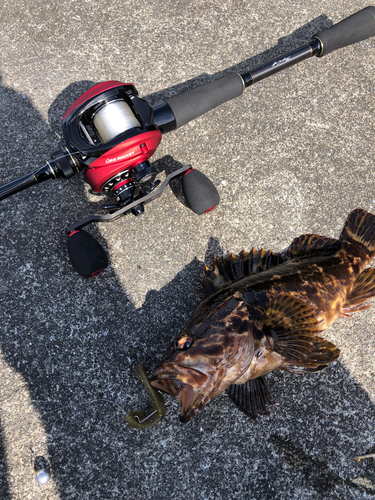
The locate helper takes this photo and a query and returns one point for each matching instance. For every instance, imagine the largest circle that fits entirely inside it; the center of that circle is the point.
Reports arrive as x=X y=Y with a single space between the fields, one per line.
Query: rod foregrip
x=353 y=29
x=193 y=103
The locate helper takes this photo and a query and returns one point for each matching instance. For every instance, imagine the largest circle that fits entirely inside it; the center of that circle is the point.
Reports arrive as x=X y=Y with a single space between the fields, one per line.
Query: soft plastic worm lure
x=146 y=418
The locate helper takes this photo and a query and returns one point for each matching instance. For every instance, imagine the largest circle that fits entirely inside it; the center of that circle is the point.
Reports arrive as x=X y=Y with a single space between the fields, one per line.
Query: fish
x=265 y=311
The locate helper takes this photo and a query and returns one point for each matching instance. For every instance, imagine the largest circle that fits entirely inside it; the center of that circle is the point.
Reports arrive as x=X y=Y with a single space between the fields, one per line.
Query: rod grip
x=193 y=103
x=353 y=29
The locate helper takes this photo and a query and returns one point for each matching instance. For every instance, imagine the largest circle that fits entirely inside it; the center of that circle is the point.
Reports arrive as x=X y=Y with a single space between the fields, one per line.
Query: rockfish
x=264 y=311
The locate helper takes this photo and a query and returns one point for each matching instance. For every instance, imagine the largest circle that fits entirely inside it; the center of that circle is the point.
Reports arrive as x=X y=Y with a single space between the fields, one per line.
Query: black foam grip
x=353 y=29
x=193 y=103
x=200 y=193
x=86 y=254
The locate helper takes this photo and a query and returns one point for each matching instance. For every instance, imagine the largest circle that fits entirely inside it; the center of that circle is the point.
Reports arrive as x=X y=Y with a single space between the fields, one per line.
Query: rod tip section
x=87 y=256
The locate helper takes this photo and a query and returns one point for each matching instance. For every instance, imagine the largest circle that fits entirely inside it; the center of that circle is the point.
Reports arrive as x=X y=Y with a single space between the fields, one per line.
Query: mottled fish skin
x=322 y=282
x=255 y=323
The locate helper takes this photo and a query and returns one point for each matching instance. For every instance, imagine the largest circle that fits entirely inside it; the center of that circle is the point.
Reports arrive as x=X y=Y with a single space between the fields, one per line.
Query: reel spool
x=114 y=119
x=112 y=131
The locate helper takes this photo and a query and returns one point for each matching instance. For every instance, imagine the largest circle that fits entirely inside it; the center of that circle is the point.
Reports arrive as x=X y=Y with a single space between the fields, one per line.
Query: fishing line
x=166 y=403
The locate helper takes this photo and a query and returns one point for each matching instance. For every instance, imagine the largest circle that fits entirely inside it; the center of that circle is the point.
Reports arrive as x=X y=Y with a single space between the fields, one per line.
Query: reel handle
x=353 y=29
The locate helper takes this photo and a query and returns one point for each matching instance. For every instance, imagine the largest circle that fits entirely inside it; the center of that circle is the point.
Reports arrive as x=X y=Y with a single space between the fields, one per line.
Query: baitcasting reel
x=111 y=133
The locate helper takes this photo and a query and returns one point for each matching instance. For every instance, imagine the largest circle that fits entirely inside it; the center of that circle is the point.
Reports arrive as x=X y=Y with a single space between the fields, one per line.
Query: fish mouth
x=176 y=383
x=170 y=386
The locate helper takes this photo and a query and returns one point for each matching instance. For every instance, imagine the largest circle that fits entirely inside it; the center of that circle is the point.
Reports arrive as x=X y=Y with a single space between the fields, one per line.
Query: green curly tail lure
x=146 y=418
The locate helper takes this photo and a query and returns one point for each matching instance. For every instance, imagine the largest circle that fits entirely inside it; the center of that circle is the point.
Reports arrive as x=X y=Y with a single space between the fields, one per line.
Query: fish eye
x=184 y=342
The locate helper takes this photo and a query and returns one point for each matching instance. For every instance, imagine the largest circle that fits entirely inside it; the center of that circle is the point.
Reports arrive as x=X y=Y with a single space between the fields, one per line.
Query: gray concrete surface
x=293 y=155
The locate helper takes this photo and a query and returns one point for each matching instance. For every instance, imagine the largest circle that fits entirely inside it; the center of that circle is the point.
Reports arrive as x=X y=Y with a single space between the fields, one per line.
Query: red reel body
x=112 y=131
x=94 y=91
x=121 y=158
x=111 y=134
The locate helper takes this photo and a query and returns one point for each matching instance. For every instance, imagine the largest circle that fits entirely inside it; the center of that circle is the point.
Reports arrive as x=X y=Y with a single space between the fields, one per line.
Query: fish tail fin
x=360 y=228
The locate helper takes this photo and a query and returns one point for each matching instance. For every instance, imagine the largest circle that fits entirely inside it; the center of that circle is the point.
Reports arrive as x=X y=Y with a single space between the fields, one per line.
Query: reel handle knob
x=87 y=255
x=200 y=193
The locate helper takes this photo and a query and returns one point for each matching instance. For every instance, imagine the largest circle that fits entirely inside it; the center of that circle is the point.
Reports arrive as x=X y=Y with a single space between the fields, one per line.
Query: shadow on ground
x=80 y=377
x=285 y=44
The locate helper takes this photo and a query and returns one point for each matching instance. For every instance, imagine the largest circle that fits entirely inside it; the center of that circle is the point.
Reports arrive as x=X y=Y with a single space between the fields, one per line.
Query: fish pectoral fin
x=321 y=354
x=287 y=316
x=307 y=245
x=363 y=290
x=252 y=397
x=292 y=326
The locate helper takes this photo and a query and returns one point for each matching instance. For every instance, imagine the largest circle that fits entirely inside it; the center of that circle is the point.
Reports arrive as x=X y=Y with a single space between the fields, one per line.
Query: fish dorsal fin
x=307 y=245
x=292 y=325
x=251 y=397
x=363 y=290
x=235 y=267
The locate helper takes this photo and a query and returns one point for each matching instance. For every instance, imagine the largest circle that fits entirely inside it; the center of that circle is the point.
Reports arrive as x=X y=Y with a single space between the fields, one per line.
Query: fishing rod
x=111 y=133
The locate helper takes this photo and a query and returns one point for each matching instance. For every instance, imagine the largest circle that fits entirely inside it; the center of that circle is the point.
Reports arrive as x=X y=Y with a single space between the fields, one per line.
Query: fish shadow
x=80 y=383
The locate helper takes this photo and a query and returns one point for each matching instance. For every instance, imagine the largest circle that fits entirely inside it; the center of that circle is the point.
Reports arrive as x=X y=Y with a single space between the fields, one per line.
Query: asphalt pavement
x=292 y=155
